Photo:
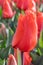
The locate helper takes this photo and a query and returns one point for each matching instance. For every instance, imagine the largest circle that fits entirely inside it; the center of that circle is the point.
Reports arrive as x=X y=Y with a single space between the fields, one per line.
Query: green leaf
x=34 y=56
x=41 y=40
x=0 y=11
x=2 y=41
x=4 y=52
x=19 y=57
x=36 y=59
x=2 y=62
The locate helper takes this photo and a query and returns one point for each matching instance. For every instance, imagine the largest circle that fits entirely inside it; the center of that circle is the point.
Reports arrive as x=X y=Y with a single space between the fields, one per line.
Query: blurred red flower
x=7 y=10
x=2 y=1
x=25 y=37
x=39 y=22
x=11 y=60
x=25 y=4
x=14 y=0
x=2 y=27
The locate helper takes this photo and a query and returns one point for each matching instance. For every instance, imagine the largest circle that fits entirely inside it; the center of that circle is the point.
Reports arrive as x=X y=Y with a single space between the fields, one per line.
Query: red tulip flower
x=2 y=1
x=11 y=60
x=39 y=22
x=7 y=10
x=25 y=37
x=24 y=4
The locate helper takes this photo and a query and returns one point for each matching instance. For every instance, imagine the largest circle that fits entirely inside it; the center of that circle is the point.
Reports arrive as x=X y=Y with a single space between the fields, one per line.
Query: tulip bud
x=7 y=10
x=3 y=30
x=11 y=60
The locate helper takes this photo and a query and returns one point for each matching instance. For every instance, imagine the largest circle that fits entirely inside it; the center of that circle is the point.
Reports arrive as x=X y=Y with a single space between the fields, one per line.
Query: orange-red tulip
x=25 y=37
